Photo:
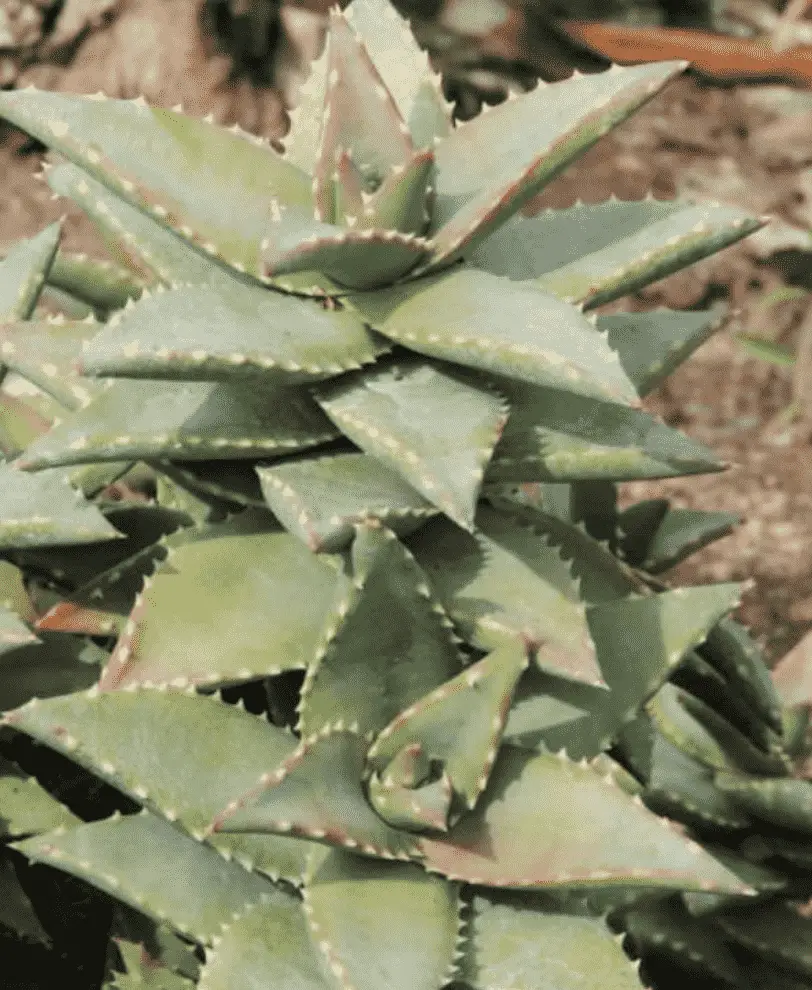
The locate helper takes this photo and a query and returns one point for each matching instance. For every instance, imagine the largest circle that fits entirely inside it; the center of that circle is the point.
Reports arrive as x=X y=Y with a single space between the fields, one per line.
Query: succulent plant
x=366 y=682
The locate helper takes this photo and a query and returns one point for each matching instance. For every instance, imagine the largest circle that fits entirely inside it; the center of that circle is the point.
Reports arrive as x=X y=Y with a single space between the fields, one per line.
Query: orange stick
x=715 y=55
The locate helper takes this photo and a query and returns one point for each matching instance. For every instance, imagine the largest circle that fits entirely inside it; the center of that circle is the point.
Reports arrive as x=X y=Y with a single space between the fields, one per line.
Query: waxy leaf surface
x=226 y=606
x=544 y=821
x=139 y=742
x=435 y=430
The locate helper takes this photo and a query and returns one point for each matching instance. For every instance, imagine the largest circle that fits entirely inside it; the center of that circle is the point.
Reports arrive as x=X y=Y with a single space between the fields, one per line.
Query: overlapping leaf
x=433 y=428
x=385 y=644
x=238 y=583
x=230 y=332
x=322 y=499
x=506 y=584
x=487 y=322
x=133 y=420
x=139 y=742
x=152 y=157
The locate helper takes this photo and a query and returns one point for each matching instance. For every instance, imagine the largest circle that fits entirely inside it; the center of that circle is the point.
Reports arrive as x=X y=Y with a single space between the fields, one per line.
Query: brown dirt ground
x=727 y=144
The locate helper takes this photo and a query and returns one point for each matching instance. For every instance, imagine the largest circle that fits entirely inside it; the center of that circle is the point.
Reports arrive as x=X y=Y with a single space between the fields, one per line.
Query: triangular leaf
x=593 y=253
x=152 y=866
x=238 y=584
x=460 y=723
x=266 y=944
x=212 y=187
x=506 y=584
x=360 y=113
x=533 y=945
x=554 y=435
x=136 y=240
x=590 y=831
x=530 y=139
x=785 y=803
x=43 y=510
x=318 y=794
x=654 y=344
x=358 y=259
x=381 y=924
x=389 y=40
x=433 y=428
x=230 y=331
x=321 y=500
x=137 y=420
x=386 y=644
x=487 y=322
x=105 y=732
x=23 y=273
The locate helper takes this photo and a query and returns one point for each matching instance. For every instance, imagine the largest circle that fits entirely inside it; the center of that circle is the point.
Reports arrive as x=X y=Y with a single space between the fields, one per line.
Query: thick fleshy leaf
x=666 y=627
x=360 y=113
x=593 y=253
x=136 y=240
x=591 y=830
x=358 y=259
x=537 y=945
x=692 y=726
x=43 y=352
x=138 y=420
x=776 y=931
x=487 y=322
x=683 y=532
x=155 y=868
x=239 y=585
x=460 y=723
x=98 y=284
x=381 y=924
x=404 y=67
x=43 y=510
x=785 y=803
x=554 y=435
x=530 y=139
x=321 y=500
x=385 y=644
x=318 y=794
x=230 y=331
x=508 y=585
x=652 y=345
x=404 y=199
x=684 y=789
x=139 y=742
x=433 y=428
x=667 y=927
x=212 y=187
x=26 y=808
x=23 y=273
x=265 y=945
x=736 y=654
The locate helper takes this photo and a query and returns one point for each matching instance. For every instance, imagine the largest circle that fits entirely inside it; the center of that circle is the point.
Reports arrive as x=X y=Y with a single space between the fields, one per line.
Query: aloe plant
x=368 y=683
